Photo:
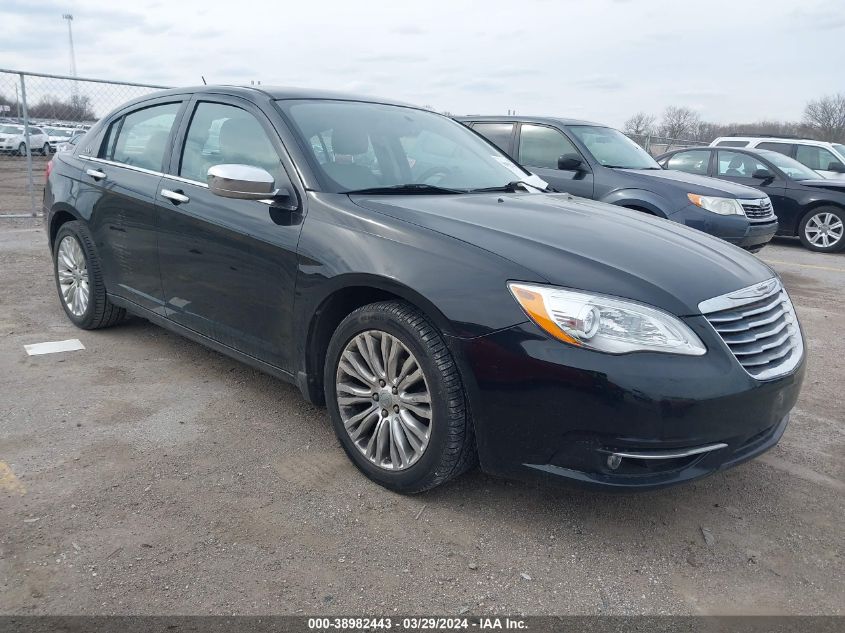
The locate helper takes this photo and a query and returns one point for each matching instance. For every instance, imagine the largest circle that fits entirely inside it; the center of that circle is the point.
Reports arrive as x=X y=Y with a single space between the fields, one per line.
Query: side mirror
x=762 y=174
x=245 y=182
x=836 y=166
x=570 y=162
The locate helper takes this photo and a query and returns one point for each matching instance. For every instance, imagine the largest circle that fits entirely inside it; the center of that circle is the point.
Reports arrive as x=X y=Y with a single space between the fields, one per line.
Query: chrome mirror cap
x=241 y=181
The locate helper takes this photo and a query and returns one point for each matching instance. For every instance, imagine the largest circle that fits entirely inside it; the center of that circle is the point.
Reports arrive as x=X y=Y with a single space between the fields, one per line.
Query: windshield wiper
x=411 y=187
x=511 y=187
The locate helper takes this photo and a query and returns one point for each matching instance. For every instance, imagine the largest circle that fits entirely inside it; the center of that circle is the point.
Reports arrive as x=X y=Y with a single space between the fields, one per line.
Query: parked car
x=826 y=158
x=599 y=162
x=58 y=135
x=444 y=311
x=13 y=139
x=806 y=205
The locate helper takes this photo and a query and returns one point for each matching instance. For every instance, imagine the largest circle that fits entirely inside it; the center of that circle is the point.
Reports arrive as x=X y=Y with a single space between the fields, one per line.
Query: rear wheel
x=396 y=398
x=822 y=230
x=79 y=279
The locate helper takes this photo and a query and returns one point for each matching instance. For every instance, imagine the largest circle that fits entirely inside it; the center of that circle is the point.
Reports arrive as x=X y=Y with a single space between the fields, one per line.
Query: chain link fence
x=656 y=145
x=39 y=115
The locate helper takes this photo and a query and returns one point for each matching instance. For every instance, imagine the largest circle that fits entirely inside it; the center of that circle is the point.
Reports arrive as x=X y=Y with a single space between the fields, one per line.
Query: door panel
x=229 y=266
x=540 y=146
x=121 y=183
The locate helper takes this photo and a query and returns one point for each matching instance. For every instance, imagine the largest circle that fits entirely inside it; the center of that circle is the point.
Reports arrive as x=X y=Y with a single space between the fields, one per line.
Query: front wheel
x=822 y=230
x=396 y=398
x=45 y=151
x=22 y=149
x=79 y=279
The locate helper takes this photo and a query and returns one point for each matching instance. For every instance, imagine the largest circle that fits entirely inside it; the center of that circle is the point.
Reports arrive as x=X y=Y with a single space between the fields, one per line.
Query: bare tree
x=679 y=122
x=826 y=116
x=639 y=125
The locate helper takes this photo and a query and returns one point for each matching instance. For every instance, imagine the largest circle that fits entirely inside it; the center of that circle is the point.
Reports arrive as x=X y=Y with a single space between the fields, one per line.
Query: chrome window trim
x=114 y=163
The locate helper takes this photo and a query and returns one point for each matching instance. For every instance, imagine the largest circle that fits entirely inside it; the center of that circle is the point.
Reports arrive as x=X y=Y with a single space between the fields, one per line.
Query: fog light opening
x=613 y=461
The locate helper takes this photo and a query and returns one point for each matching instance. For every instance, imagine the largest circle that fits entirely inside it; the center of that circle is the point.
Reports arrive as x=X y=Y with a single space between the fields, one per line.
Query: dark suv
x=599 y=162
x=394 y=265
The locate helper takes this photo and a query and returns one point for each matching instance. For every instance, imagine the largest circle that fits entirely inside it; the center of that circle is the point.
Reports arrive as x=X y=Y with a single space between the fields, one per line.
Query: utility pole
x=69 y=18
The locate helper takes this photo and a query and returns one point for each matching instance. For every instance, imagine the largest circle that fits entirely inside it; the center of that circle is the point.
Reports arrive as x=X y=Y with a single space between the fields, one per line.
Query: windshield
x=611 y=148
x=791 y=167
x=59 y=132
x=358 y=146
x=10 y=129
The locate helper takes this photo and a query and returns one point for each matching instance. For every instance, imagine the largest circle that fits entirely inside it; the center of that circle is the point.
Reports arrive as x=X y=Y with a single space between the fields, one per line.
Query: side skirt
x=188 y=333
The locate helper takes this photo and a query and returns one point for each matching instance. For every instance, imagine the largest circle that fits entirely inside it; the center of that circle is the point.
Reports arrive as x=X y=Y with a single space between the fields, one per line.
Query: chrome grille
x=760 y=327
x=759 y=209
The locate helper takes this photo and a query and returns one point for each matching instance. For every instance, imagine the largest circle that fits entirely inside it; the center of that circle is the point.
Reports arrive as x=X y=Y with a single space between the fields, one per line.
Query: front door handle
x=96 y=174
x=174 y=196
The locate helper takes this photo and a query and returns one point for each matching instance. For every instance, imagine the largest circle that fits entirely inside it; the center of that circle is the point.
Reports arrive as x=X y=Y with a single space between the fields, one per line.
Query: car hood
x=702 y=185
x=834 y=184
x=588 y=245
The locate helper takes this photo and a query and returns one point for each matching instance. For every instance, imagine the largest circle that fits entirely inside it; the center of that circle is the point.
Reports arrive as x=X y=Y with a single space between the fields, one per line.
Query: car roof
x=273 y=92
x=771 y=139
x=547 y=120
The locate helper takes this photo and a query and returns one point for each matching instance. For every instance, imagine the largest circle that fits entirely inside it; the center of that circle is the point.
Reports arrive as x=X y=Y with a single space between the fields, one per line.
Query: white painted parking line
x=54 y=346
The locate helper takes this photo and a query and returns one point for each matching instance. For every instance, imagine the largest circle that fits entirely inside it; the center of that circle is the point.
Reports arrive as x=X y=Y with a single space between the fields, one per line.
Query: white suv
x=13 y=139
x=826 y=158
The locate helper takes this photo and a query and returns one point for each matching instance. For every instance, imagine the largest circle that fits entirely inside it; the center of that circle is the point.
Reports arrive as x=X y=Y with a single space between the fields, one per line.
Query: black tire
x=815 y=213
x=22 y=149
x=100 y=312
x=451 y=448
x=45 y=151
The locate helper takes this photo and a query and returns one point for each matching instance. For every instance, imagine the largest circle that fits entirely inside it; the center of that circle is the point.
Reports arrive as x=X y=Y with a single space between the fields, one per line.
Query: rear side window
x=815 y=157
x=500 y=134
x=221 y=133
x=780 y=148
x=732 y=144
x=693 y=162
x=140 y=139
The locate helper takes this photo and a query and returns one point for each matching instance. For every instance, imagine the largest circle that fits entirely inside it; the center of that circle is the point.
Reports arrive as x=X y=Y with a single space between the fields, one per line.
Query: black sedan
x=400 y=269
x=806 y=205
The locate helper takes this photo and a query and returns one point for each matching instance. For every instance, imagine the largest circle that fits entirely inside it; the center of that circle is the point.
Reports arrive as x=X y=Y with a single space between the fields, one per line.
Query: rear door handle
x=174 y=196
x=96 y=174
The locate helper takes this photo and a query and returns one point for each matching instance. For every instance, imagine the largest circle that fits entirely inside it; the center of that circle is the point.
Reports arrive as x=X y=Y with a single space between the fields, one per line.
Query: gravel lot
x=147 y=474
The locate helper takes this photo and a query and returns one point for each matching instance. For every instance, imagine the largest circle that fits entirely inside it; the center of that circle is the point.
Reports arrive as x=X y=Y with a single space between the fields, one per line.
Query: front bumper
x=736 y=229
x=546 y=410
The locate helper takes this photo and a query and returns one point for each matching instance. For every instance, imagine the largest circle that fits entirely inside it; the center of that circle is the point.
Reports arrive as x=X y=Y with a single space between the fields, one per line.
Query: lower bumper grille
x=760 y=327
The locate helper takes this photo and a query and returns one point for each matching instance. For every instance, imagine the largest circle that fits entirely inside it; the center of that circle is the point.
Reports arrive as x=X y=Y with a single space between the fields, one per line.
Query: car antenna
x=203 y=80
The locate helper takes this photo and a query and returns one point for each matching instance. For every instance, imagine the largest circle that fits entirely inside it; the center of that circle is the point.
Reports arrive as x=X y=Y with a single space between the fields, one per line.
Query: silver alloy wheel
x=384 y=400
x=824 y=229
x=72 y=271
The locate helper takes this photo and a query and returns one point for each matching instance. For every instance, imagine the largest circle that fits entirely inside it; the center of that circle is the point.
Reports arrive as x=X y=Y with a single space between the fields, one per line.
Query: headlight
x=603 y=323
x=722 y=206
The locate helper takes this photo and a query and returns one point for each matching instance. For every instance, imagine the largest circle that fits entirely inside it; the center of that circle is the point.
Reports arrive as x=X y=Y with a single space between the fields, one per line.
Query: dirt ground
x=149 y=475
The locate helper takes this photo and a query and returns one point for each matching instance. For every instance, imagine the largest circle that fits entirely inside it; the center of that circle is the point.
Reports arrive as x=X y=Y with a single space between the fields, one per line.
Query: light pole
x=69 y=18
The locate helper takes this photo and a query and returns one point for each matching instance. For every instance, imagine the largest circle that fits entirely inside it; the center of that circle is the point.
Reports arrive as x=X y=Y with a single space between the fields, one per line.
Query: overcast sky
x=732 y=60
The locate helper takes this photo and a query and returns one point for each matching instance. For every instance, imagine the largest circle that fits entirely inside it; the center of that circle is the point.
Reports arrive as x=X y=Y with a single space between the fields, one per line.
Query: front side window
x=225 y=134
x=355 y=145
x=815 y=157
x=141 y=137
x=696 y=161
x=613 y=149
x=541 y=146
x=780 y=148
x=791 y=167
x=738 y=165
x=500 y=134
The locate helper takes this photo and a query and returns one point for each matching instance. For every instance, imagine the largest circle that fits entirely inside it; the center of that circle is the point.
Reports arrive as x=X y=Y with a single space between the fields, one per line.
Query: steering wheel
x=435 y=172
